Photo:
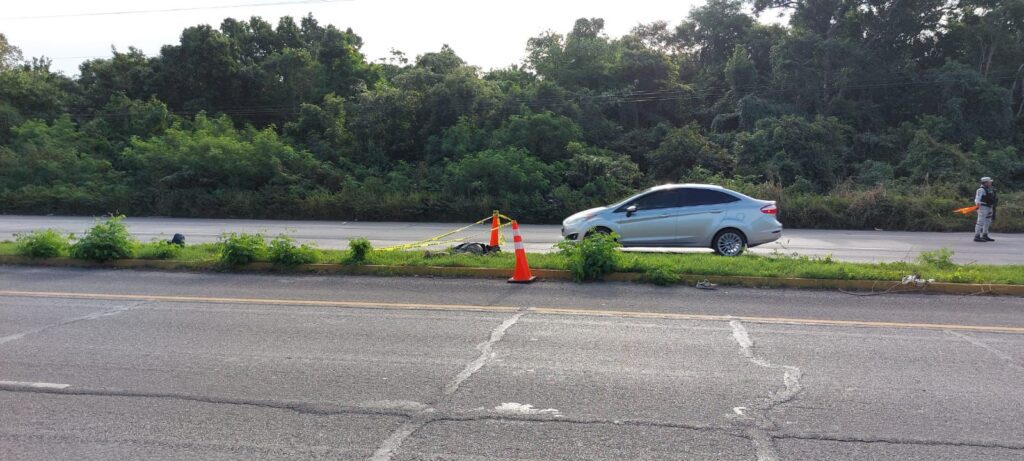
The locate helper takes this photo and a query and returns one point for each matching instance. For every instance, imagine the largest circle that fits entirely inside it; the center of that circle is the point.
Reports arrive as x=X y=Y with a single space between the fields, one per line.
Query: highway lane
x=175 y=365
x=867 y=246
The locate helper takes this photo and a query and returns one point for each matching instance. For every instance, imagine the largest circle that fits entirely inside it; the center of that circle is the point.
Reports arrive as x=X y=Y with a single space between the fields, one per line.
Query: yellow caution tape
x=439 y=239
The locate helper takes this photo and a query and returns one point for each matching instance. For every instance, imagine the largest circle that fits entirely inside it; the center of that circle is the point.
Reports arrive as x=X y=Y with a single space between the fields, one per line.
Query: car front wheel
x=729 y=242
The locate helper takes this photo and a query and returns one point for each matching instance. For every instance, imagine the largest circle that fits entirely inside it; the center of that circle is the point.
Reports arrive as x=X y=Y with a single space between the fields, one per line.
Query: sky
x=485 y=34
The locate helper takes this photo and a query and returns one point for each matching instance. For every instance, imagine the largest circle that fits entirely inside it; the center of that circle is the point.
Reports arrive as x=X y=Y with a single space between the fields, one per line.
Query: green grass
x=666 y=263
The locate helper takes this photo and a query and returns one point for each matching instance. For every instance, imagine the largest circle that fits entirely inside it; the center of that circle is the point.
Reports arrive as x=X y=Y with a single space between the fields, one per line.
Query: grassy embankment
x=938 y=268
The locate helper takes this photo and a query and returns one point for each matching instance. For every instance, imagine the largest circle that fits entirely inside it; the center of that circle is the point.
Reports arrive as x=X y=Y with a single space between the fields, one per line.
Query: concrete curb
x=550 y=274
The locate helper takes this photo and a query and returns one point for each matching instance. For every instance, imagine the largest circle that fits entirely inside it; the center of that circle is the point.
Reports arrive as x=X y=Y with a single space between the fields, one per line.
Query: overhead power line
x=170 y=10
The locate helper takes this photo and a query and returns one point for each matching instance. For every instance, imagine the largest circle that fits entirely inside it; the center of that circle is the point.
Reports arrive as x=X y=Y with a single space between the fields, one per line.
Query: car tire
x=598 y=230
x=729 y=242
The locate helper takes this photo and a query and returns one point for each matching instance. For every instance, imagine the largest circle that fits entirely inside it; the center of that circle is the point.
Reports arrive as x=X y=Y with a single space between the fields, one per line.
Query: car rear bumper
x=763 y=232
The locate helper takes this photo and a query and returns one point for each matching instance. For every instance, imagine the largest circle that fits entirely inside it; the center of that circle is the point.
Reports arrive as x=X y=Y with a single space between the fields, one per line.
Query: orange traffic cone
x=522 y=273
x=495 y=226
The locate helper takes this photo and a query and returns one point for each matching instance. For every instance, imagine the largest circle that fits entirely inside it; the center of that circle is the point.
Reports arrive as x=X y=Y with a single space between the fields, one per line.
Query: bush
x=240 y=249
x=591 y=258
x=159 y=250
x=661 y=276
x=359 y=249
x=284 y=252
x=47 y=243
x=941 y=258
x=106 y=241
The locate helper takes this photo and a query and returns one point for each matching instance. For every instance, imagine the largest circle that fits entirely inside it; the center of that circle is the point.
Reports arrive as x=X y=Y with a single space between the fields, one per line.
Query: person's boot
x=977 y=238
x=987 y=238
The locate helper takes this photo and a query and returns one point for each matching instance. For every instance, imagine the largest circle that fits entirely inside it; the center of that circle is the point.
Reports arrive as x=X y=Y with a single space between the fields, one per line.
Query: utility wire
x=169 y=10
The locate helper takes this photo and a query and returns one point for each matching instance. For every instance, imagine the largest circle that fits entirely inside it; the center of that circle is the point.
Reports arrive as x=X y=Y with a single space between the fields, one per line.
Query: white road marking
x=31 y=385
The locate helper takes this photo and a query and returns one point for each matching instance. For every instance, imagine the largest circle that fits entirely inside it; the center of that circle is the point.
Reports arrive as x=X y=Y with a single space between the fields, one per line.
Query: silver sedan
x=683 y=215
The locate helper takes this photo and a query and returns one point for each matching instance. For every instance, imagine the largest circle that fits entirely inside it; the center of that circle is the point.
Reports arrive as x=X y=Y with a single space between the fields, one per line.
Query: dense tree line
x=858 y=113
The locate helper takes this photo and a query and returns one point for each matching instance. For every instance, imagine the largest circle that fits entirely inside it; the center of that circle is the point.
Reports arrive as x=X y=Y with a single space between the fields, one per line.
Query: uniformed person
x=986 y=200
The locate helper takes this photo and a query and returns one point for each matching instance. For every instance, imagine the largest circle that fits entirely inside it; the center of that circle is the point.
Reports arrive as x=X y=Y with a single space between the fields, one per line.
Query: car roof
x=676 y=186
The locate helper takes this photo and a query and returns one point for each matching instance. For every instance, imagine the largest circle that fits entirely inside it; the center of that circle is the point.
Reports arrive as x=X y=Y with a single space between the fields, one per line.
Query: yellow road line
x=284 y=302
x=505 y=309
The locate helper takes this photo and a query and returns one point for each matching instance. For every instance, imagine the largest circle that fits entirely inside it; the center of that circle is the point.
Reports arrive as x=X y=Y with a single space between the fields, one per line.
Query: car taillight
x=770 y=209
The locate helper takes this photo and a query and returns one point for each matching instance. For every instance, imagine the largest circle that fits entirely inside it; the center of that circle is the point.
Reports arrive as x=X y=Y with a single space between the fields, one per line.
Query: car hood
x=584 y=213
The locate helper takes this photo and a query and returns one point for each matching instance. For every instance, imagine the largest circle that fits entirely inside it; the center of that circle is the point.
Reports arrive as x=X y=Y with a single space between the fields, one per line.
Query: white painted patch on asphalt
x=402 y=405
x=994 y=351
x=791 y=375
x=763 y=445
x=17 y=336
x=762 y=441
x=513 y=408
x=485 y=354
x=397 y=438
x=33 y=385
x=90 y=316
x=739 y=333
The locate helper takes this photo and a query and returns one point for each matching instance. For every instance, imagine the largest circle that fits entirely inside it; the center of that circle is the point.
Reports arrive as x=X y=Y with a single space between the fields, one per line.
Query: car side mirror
x=630 y=210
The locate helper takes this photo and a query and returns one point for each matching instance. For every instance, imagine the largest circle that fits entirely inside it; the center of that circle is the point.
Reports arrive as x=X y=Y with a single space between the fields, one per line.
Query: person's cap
x=986 y=179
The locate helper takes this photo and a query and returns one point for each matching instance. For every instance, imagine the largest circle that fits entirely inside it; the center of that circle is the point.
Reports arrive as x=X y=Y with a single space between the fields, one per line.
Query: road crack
x=757 y=419
x=902 y=441
x=383 y=408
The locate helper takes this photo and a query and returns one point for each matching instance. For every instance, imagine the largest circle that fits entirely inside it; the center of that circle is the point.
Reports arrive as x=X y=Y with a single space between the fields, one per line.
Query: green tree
x=10 y=55
x=544 y=135
x=930 y=161
x=684 y=149
x=791 y=147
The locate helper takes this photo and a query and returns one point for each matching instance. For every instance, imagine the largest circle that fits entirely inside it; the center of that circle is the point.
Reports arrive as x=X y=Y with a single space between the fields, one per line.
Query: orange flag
x=966 y=210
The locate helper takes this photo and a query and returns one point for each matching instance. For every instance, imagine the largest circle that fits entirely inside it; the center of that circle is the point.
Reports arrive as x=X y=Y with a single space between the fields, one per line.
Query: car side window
x=653 y=201
x=697 y=197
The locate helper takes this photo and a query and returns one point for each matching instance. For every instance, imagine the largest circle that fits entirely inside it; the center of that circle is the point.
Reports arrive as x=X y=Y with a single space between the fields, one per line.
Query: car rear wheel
x=729 y=242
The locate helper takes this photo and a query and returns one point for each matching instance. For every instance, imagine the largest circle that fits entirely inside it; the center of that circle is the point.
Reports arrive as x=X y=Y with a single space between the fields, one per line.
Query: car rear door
x=653 y=223
x=700 y=213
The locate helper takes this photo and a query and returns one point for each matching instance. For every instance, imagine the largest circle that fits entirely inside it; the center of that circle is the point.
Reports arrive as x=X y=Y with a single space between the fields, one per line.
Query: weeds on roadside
x=359 y=250
x=105 y=241
x=241 y=249
x=47 y=243
x=159 y=249
x=661 y=276
x=941 y=258
x=591 y=258
x=285 y=252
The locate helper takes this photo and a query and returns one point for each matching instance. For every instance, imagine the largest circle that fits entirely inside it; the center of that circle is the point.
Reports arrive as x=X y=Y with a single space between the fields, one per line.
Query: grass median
x=936 y=265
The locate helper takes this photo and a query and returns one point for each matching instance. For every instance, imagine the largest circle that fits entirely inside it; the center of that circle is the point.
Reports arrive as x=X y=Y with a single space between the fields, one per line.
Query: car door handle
x=715 y=211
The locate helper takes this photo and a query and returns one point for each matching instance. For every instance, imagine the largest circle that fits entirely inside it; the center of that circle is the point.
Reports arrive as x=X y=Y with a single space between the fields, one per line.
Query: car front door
x=652 y=223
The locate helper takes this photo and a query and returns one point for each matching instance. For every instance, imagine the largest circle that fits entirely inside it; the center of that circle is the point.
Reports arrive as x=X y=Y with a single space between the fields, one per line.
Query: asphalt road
x=99 y=364
x=866 y=246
